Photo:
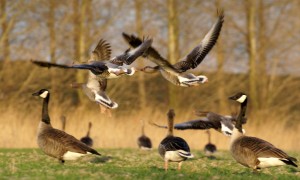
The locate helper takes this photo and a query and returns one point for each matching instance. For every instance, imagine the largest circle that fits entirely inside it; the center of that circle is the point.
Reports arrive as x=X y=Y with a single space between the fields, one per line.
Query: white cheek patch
x=73 y=155
x=271 y=161
x=44 y=94
x=226 y=131
x=242 y=99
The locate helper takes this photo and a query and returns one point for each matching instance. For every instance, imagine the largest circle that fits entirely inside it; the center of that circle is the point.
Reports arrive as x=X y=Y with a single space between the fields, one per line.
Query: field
x=131 y=164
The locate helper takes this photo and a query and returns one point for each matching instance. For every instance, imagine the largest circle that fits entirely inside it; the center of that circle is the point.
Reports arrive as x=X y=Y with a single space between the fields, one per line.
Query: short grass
x=131 y=164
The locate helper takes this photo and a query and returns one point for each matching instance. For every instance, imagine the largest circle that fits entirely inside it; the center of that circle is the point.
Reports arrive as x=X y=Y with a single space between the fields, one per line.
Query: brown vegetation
x=257 y=53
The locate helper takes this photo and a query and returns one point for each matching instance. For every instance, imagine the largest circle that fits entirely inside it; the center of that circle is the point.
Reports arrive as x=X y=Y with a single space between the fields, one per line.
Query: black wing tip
x=290 y=161
x=93 y=151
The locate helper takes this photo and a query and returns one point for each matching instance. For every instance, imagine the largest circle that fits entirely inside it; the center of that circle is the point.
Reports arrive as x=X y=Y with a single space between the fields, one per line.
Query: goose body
x=254 y=152
x=102 y=67
x=143 y=141
x=176 y=73
x=172 y=148
x=87 y=139
x=57 y=143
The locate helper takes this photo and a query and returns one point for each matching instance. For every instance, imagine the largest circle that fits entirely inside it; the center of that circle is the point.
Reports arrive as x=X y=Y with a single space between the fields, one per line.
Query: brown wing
x=196 y=56
x=103 y=84
x=102 y=51
x=59 y=139
x=152 y=54
x=262 y=148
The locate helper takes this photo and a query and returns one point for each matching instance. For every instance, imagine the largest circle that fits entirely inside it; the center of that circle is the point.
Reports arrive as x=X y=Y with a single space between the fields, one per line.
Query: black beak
x=36 y=94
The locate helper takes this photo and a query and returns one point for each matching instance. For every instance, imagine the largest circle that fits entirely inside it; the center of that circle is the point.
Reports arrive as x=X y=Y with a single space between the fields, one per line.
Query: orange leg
x=166 y=165
x=179 y=165
x=105 y=110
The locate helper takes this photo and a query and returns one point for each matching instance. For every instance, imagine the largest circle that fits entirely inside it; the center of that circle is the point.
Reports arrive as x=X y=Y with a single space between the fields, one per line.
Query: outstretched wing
x=49 y=64
x=196 y=56
x=102 y=51
x=151 y=53
x=198 y=124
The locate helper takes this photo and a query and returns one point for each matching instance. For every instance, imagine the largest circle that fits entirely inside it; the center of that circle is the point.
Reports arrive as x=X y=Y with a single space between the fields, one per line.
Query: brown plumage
x=143 y=141
x=253 y=152
x=87 y=139
x=57 y=143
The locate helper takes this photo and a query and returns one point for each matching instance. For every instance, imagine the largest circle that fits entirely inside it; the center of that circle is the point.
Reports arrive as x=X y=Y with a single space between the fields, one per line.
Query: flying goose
x=63 y=122
x=176 y=73
x=209 y=148
x=57 y=143
x=143 y=141
x=253 y=152
x=86 y=139
x=172 y=148
x=101 y=67
x=208 y=120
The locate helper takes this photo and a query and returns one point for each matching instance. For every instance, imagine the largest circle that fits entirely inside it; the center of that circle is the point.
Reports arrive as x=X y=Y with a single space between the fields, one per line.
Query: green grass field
x=131 y=164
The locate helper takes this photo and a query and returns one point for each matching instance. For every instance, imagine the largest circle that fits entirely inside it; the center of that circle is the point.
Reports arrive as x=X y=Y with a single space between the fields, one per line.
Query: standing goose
x=209 y=120
x=143 y=141
x=101 y=67
x=86 y=139
x=253 y=152
x=172 y=148
x=176 y=73
x=57 y=143
x=63 y=122
x=209 y=148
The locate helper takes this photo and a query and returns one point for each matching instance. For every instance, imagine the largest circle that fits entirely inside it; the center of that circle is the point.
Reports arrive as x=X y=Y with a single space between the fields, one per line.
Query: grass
x=131 y=163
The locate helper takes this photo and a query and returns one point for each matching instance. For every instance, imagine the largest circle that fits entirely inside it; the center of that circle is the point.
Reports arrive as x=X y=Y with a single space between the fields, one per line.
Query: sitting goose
x=173 y=148
x=86 y=139
x=57 y=143
x=102 y=69
x=143 y=141
x=176 y=73
x=209 y=148
x=210 y=120
x=253 y=152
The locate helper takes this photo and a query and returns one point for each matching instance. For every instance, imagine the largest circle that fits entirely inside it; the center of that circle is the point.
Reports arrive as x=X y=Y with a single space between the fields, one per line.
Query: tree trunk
x=79 y=45
x=172 y=46
x=5 y=46
x=220 y=74
x=251 y=39
x=52 y=38
x=141 y=77
x=262 y=56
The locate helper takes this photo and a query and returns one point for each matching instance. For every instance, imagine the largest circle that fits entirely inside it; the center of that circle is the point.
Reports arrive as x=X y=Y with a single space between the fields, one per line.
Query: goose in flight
x=253 y=152
x=172 y=148
x=176 y=73
x=102 y=67
x=57 y=143
x=208 y=120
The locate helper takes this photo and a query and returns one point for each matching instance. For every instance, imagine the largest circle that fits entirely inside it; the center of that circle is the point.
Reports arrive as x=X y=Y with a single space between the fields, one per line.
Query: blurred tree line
x=257 y=52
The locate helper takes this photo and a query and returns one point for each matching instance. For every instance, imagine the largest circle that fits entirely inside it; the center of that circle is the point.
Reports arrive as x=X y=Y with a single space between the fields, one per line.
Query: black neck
x=208 y=133
x=45 y=115
x=241 y=115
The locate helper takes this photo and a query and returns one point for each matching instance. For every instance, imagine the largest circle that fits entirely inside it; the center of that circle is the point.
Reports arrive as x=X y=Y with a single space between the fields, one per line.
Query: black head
x=239 y=97
x=43 y=93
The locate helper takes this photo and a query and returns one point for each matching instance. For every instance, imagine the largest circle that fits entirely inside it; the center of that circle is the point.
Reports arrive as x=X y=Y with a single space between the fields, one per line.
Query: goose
x=101 y=69
x=86 y=139
x=209 y=148
x=63 y=122
x=208 y=120
x=143 y=141
x=176 y=73
x=172 y=148
x=57 y=143
x=253 y=152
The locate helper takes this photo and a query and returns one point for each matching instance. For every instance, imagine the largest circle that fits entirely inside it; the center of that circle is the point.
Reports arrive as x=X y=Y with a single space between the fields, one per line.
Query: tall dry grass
x=18 y=129
x=20 y=113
